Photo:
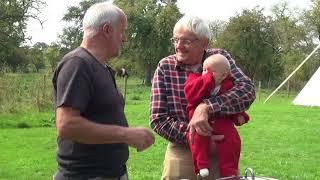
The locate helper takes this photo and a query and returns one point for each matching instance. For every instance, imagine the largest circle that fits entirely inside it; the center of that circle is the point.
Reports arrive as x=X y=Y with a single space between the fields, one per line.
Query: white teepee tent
x=310 y=94
x=316 y=96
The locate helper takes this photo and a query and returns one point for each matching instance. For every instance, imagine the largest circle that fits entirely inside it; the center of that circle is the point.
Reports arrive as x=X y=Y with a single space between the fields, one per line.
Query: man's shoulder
x=171 y=59
x=213 y=51
x=78 y=56
x=77 y=59
x=78 y=53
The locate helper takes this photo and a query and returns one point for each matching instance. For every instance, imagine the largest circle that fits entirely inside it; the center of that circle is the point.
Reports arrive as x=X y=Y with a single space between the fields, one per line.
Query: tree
x=251 y=40
x=36 y=58
x=40 y=45
x=52 y=55
x=285 y=23
x=311 y=25
x=17 y=60
x=295 y=38
x=71 y=36
x=313 y=16
x=13 y=17
x=216 y=28
x=150 y=25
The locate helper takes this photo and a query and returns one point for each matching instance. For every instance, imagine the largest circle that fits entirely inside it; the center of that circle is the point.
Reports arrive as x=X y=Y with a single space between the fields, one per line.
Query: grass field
x=280 y=141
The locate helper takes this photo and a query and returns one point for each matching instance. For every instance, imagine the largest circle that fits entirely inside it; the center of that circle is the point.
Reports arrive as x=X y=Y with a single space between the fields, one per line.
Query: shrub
x=22 y=125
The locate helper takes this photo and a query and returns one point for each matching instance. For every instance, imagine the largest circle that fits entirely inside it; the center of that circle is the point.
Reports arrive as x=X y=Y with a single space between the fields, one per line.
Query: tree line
x=266 y=47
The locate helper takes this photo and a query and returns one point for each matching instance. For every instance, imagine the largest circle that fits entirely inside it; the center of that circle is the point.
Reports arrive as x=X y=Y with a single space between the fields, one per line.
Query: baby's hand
x=241 y=120
x=205 y=71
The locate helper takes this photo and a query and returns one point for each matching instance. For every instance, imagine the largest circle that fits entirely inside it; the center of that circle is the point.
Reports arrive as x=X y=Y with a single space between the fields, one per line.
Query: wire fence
x=22 y=92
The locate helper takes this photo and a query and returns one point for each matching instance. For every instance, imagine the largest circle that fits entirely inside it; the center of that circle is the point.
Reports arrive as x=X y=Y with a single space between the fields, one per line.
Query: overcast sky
x=211 y=9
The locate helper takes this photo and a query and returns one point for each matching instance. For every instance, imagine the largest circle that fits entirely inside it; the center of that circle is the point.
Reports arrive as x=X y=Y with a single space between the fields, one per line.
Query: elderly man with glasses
x=168 y=116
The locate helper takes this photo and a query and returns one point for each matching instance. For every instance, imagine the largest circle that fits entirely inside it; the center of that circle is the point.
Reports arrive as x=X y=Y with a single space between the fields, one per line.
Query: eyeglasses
x=186 y=42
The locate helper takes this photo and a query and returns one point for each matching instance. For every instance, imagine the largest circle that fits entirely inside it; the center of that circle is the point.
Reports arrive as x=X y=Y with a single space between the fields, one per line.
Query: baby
x=214 y=80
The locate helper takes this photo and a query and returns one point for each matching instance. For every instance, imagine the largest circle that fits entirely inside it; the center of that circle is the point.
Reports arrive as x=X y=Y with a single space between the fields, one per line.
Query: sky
x=209 y=9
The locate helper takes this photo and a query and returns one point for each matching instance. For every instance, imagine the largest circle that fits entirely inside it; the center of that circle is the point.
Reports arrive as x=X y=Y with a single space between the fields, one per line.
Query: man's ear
x=206 y=44
x=107 y=29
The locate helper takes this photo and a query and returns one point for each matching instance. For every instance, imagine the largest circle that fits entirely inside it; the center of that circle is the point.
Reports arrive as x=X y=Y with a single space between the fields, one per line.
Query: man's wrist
x=213 y=107
x=206 y=102
x=204 y=107
x=123 y=134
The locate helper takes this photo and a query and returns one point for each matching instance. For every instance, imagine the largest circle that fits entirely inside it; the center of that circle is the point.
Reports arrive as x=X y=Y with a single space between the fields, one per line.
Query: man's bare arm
x=71 y=125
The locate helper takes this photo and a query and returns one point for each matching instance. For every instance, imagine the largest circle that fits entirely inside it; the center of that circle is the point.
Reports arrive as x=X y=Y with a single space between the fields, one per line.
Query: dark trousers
x=59 y=176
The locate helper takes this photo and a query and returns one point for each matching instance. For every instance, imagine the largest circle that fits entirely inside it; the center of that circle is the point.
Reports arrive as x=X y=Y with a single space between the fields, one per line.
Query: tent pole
x=305 y=60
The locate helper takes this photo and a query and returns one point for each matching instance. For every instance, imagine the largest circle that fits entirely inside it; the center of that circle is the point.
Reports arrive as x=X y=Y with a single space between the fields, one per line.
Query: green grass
x=31 y=118
x=280 y=141
x=27 y=153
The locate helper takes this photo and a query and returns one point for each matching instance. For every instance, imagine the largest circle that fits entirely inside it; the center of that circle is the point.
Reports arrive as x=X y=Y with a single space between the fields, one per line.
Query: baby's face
x=213 y=70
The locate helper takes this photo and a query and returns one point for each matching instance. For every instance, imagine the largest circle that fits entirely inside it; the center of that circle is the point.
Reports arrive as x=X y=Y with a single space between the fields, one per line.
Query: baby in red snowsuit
x=203 y=86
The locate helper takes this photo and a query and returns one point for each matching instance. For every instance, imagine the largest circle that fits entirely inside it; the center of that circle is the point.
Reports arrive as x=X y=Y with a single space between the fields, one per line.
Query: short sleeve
x=73 y=84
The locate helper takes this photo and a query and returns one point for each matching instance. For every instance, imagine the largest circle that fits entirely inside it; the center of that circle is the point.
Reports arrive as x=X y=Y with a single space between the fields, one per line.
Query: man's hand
x=139 y=137
x=199 y=122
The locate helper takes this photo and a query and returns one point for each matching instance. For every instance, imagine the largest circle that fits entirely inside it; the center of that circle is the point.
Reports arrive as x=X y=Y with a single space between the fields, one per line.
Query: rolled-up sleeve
x=163 y=120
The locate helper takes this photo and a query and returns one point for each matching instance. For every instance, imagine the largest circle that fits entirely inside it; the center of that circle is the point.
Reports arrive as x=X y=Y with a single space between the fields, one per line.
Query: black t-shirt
x=81 y=82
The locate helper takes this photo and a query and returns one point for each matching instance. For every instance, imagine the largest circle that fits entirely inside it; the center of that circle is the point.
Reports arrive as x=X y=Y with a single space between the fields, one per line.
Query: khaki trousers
x=178 y=164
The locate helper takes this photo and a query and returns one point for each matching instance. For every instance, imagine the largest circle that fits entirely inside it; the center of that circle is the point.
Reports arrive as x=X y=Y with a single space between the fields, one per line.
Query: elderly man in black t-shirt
x=93 y=133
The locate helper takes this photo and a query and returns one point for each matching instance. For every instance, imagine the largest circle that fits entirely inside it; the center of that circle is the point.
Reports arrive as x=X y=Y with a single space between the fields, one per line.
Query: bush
x=20 y=92
x=22 y=125
x=50 y=122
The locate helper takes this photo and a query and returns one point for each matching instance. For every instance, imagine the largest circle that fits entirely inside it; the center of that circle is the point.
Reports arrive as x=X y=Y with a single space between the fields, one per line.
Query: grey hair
x=194 y=24
x=98 y=14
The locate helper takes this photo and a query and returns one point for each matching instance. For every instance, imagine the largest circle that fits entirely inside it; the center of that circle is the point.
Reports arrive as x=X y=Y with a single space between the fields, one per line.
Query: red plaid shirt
x=168 y=116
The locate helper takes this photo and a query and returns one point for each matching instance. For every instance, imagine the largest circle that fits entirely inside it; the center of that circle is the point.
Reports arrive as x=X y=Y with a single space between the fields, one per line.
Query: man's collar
x=190 y=68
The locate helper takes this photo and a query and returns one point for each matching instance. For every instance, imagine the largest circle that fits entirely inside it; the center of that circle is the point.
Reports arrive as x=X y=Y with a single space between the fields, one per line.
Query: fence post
x=288 y=89
x=259 y=90
x=125 y=88
x=44 y=87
